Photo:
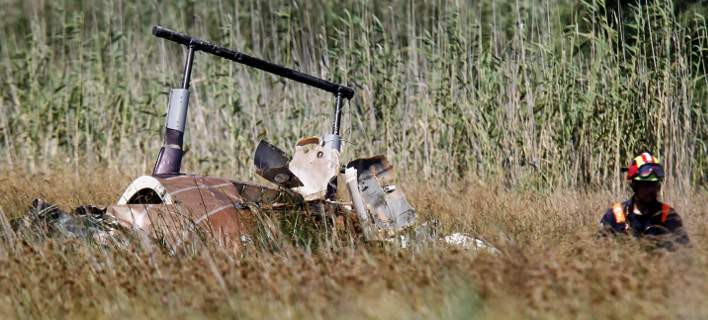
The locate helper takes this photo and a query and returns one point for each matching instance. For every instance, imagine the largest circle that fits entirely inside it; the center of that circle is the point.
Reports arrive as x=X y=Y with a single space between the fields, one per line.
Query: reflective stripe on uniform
x=618 y=211
x=665 y=209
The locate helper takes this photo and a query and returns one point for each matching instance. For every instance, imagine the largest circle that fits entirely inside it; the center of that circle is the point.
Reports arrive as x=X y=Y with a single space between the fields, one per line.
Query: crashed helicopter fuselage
x=170 y=204
x=174 y=207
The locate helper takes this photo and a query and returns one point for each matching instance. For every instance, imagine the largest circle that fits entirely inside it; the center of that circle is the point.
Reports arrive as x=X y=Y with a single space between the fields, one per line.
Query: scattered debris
x=172 y=207
x=470 y=243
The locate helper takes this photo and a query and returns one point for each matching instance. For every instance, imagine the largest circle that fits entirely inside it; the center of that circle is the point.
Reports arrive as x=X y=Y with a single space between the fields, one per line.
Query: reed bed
x=537 y=94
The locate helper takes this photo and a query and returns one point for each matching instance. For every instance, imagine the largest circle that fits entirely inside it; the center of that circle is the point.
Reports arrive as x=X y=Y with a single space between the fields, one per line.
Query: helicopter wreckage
x=173 y=207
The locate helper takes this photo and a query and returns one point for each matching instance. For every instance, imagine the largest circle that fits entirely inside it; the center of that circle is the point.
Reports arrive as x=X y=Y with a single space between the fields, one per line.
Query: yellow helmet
x=645 y=167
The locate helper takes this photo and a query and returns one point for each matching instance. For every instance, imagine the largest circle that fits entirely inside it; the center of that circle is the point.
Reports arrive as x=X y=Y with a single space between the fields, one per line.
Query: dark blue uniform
x=658 y=220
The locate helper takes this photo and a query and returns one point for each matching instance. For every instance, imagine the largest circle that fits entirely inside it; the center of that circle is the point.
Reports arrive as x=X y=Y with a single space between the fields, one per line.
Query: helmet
x=645 y=167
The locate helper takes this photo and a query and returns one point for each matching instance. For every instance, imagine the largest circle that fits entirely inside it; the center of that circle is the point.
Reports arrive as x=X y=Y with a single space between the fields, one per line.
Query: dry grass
x=538 y=95
x=552 y=266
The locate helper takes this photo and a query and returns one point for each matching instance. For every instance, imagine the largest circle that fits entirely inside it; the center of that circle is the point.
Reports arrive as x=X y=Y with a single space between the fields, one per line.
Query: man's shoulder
x=622 y=205
x=615 y=212
x=667 y=211
x=666 y=206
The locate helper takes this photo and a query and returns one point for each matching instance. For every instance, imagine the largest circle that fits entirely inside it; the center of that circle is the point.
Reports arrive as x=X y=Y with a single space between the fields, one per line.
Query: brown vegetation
x=552 y=265
x=504 y=116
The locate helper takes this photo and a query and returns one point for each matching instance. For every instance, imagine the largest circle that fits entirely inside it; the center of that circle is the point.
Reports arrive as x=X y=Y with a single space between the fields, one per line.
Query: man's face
x=647 y=191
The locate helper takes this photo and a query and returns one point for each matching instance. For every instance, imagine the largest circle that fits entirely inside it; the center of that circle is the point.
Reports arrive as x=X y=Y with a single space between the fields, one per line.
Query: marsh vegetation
x=505 y=119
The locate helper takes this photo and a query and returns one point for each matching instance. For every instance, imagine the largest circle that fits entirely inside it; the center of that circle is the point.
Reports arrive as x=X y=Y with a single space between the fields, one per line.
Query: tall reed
x=539 y=94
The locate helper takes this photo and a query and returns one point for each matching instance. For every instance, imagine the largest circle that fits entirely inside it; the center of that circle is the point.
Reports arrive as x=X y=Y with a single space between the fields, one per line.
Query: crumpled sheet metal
x=170 y=223
x=387 y=205
x=272 y=164
x=219 y=207
x=315 y=166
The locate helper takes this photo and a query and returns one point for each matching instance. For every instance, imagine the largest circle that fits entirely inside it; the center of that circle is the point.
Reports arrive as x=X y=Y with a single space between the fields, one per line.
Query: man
x=643 y=216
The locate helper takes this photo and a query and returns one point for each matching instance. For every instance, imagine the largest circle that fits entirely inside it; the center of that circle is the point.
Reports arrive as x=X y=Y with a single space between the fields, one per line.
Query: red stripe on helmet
x=647 y=157
x=632 y=171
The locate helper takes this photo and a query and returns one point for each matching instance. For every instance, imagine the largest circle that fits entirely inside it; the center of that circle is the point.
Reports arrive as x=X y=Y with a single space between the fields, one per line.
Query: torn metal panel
x=367 y=227
x=169 y=223
x=272 y=164
x=175 y=206
x=468 y=242
x=315 y=166
x=387 y=205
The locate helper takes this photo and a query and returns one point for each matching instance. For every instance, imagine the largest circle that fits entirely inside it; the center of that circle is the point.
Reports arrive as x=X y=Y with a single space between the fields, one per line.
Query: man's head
x=646 y=191
x=645 y=174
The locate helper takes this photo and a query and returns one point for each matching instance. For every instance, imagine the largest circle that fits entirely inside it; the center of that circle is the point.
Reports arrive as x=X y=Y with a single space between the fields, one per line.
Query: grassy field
x=551 y=266
x=506 y=119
